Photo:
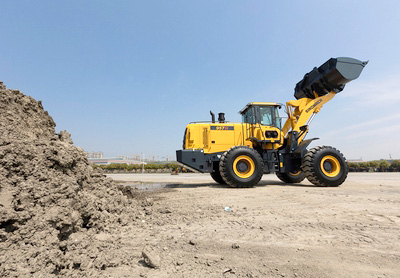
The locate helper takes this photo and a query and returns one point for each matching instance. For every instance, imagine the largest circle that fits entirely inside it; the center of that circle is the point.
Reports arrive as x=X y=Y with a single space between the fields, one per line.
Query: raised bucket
x=330 y=77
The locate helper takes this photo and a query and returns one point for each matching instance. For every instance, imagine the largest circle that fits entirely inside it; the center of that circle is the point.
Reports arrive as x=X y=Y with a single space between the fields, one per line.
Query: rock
x=165 y=211
x=65 y=136
x=227 y=270
x=151 y=258
x=235 y=245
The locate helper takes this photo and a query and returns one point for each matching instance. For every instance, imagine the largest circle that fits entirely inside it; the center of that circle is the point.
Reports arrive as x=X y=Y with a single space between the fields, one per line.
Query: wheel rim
x=295 y=173
x=330 y=166
x=243 y=166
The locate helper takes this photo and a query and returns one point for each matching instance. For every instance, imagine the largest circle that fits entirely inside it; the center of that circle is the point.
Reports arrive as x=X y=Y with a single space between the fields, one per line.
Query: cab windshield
x=265 y=115
x=269 y=116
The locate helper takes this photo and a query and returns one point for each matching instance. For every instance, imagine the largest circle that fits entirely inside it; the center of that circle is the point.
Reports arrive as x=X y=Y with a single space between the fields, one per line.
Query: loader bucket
x=330 y=77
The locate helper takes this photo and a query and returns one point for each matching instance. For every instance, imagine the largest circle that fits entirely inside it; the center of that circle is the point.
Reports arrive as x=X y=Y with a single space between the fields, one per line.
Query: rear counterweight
x=197 y=160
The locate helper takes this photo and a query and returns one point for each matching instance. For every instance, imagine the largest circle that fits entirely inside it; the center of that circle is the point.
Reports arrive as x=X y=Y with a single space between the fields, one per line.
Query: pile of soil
x=54 y=206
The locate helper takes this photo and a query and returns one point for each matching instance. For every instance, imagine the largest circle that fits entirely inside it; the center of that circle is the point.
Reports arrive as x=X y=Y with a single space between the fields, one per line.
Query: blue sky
x=125 y=77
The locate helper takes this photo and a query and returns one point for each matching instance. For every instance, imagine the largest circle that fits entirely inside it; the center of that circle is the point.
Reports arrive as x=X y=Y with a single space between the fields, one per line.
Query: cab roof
x=259 y=104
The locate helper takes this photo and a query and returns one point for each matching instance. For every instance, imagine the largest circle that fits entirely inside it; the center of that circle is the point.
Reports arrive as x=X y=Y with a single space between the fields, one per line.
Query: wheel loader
x=238 y=154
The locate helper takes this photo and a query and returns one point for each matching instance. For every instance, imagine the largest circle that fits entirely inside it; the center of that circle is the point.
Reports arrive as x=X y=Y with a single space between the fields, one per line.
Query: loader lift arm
x=301 y=112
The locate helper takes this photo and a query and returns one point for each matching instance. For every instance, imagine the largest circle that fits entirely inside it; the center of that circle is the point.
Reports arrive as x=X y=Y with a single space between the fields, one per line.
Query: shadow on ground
x=216 y=185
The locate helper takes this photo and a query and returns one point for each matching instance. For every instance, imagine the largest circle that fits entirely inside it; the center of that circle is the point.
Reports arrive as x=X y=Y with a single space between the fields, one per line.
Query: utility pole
x=143 y=164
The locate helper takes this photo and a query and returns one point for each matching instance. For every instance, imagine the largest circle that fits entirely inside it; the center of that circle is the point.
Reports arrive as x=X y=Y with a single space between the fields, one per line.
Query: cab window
x=277 y=119
x=270 y=116
x=266 y=116
x=248 y=116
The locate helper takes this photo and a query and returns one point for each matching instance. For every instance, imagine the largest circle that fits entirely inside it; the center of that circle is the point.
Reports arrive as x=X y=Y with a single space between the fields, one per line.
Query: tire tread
x=311 y=171
x=223 y=168
x=288 y=179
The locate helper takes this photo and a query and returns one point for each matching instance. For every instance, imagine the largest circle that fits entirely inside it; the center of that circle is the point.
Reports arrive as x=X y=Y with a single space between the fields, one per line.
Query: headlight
x=271 y=134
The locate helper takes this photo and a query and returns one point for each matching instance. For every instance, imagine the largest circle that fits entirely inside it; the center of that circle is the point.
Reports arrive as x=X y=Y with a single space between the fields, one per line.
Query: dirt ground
x=272 y=230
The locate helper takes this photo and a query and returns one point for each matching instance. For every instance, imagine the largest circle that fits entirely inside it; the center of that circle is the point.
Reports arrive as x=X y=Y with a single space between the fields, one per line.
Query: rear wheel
x=216 y=175
x=325 y=166
x=290 y=177
x=241 y=167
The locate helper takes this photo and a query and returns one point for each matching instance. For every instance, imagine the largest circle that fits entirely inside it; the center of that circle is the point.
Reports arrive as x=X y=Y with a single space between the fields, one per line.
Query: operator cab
x=264 y=113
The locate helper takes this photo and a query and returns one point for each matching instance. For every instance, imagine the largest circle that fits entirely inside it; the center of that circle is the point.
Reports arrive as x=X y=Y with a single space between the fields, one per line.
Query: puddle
x=150 y=186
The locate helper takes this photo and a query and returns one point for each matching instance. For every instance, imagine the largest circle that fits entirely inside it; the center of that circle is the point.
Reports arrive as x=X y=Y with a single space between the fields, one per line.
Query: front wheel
x=241 y=167
x=290 y=177
x=325 y=166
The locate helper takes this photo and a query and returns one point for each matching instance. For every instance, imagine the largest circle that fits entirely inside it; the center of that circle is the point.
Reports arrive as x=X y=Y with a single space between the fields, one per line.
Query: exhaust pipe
x=330 y=77
x=212 y=117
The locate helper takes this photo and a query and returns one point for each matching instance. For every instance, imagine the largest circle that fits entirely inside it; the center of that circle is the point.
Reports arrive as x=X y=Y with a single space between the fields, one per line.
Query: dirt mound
x=53 y=205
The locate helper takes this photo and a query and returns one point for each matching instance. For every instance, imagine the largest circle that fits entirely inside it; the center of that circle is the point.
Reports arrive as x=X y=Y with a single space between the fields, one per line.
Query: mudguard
x=302 y=148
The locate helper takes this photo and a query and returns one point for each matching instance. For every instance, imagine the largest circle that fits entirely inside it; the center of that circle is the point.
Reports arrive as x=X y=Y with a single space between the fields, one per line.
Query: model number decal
x=315 y=104
x=213 y=127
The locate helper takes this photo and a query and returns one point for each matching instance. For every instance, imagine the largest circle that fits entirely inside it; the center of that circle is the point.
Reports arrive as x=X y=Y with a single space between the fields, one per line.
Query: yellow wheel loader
x=238 y=154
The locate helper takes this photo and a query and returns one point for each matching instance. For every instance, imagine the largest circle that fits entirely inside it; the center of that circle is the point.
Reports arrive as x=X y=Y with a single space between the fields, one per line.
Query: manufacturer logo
x=313 y=106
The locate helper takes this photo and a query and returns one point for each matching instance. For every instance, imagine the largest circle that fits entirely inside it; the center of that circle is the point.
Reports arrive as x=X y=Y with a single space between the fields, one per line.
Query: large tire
x=291 y=177
x=325 y=166
x=241 y=167
x=216 y=175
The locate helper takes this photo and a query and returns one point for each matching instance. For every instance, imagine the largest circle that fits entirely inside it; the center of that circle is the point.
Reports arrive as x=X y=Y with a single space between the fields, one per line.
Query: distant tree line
x=138 y=168
x=375 y=166
x=369 y=166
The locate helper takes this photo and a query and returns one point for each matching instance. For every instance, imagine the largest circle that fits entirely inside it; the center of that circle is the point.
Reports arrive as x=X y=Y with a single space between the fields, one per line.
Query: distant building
x=94 y=154
x=115 y=160
x=355 y=160
x=360 y=160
